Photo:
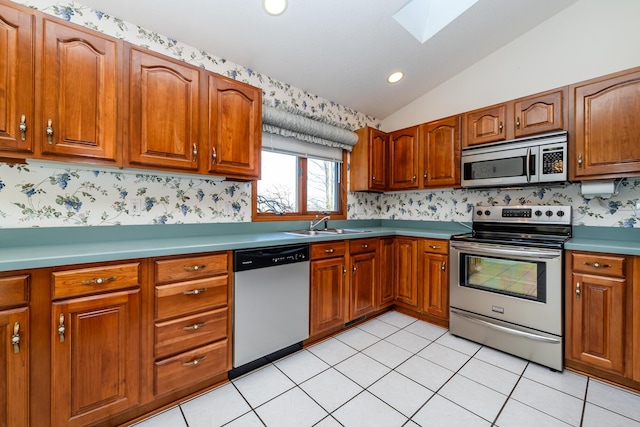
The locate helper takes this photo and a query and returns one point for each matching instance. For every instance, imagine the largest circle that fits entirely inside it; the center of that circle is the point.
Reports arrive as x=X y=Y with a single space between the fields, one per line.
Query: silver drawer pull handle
x=194 y=327
x=99 y=280
x=596 y=265
x=194 y=267
x=61 y=328
x=435 y=247
x=329 y=251
x=195 y=362
x=194 y=291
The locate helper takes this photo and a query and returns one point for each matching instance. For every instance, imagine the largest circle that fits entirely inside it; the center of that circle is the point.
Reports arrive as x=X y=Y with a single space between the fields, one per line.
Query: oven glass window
x=518 y=278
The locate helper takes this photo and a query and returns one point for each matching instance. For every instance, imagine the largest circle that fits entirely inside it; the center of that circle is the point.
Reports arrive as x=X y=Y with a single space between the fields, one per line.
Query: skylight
x=424 y=18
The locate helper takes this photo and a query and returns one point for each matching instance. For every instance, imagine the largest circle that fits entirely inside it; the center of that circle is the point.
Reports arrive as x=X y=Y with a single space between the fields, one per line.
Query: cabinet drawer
x=14 y=290
x=95 y=279
x=182 y=298
x=328 y=250
x=602 y=265
x=437 y=246
x=189 y=268
x=363 y=245
x=175 y=336
x=191 y=367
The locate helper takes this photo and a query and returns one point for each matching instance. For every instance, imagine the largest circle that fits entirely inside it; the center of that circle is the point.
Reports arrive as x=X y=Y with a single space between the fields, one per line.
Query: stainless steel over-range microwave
x=525 y=161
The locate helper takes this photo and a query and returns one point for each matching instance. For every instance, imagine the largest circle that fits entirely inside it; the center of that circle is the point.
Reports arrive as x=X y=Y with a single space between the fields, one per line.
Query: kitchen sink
x=326 y=231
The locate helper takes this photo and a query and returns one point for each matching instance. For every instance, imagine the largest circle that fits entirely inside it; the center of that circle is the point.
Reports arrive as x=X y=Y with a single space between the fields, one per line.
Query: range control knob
x=487 y=212
x=549 y=213
x=538 y=212
x=479 y=212
x=560 y=214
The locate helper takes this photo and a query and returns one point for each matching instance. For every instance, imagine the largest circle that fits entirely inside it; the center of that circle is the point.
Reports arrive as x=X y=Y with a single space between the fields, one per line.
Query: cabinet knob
x=435 y=247
x=49 y=131
x=414 y=177
x=214 y=155
x=364 y=246
x=596 y=265
x=354 y=269
x=194 y=327
x=194 y=267
x=344 y=269
x=425 y=175
x=444 y=266
x=373 y=178
x=329 y=251
x=578 y=292
x=195 y=152
x=517 y=122
x=15 y=338
x=22 y=127
x=500 y=127
x=580 y=160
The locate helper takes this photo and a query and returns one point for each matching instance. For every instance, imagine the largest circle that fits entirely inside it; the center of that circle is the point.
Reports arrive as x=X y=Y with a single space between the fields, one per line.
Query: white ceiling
x=341 y=50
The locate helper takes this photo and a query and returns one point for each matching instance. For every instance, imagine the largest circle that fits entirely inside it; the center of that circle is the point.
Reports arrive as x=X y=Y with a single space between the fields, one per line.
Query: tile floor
x=395 y=370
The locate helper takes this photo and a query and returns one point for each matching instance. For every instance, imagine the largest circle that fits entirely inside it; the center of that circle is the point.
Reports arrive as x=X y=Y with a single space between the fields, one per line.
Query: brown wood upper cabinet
x=369 y=161
x=163 y=110
x=235 y=128
x=403 y=159
x=605 y=127
x=17 y=117
x=440 y=153
x=78 y=93
x=535 y=114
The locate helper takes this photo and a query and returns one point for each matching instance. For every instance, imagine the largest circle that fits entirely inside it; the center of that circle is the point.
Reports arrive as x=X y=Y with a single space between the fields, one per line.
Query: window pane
x=322 y=185
x=278 y=188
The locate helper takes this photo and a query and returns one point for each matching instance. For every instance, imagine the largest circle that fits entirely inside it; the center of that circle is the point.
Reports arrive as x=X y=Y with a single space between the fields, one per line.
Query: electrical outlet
x=637 y=209
x=135 y=207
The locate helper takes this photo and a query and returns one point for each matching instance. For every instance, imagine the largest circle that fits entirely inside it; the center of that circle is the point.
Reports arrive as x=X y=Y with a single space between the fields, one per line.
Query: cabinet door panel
x=96 y=369
x=16 y=81
x=327 y=294
x=80 y=75
x=440 y=152
x=539 y=113
x=403 y=157
x=385 y=294
x=363 y=283
x=607 y=127
x=486 y=125
x=14 y=369
x=164 y=103
x=235 y=132
x=597 y=323
x=435 y=283
x=378 y=160
x=406 y=265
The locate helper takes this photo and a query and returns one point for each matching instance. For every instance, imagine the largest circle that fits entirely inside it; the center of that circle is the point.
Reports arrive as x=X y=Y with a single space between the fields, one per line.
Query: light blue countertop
x=46 y=247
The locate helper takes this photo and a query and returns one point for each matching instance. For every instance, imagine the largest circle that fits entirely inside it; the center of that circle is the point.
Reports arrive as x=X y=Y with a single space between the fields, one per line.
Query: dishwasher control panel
x=250 y=259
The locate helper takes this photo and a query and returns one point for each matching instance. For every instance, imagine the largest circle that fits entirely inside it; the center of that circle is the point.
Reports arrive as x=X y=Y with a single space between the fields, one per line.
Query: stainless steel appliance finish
x=270 y=301
x=524 y=161
x=506 y=282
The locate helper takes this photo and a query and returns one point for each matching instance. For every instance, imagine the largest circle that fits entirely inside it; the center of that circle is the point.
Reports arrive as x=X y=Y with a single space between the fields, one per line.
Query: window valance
x=287 y=123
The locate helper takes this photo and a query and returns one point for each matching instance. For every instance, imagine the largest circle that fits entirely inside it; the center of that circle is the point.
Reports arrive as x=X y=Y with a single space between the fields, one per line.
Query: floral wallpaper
x=457 y=205
x=69 y=195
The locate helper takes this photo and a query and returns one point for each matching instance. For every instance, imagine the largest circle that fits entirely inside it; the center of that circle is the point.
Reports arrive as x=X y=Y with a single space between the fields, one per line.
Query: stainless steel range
x=507 y=281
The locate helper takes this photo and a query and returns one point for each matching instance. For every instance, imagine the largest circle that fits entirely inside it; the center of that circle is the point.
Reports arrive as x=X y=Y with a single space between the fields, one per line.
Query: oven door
x=514 y=284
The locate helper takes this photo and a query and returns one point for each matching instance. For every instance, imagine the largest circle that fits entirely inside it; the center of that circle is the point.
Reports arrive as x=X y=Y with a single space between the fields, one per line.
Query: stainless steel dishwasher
x=270 y=304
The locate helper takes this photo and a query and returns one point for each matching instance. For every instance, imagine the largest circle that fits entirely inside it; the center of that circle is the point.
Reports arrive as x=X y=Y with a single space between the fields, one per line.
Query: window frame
x=303 y=213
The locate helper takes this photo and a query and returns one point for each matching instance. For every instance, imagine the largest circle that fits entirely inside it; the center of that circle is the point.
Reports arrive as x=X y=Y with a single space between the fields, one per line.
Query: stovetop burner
x=535 y=226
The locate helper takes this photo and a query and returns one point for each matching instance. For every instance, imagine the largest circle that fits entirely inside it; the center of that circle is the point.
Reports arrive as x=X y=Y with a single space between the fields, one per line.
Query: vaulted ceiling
x=341 y=50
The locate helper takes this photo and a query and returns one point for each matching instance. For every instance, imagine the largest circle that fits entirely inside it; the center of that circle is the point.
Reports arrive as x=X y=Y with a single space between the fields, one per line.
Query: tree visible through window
x=298 y=186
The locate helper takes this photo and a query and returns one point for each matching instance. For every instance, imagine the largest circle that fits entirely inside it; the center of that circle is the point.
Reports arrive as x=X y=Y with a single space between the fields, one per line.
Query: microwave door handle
x=528 y=165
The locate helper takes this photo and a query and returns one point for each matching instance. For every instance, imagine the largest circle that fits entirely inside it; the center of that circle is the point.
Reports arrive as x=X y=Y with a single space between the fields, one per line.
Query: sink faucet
x=312 y=225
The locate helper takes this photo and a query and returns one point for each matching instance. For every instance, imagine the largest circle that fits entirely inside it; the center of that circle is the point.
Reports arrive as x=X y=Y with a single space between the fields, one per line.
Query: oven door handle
x=529 y=335
x=496 y=250
x=528 y=165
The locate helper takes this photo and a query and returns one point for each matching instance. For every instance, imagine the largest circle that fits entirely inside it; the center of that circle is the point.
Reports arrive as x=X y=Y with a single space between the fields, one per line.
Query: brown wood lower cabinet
x=385 y=294
x=434 y=278
x=14 y=366
x=405 y=266
x=328 y=286
x=601 y=328
x=95 y=357
x=363 y=262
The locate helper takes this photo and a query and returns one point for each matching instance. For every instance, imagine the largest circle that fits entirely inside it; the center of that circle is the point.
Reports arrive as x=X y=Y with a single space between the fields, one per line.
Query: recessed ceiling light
x=395 y=77
x=275 y=7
